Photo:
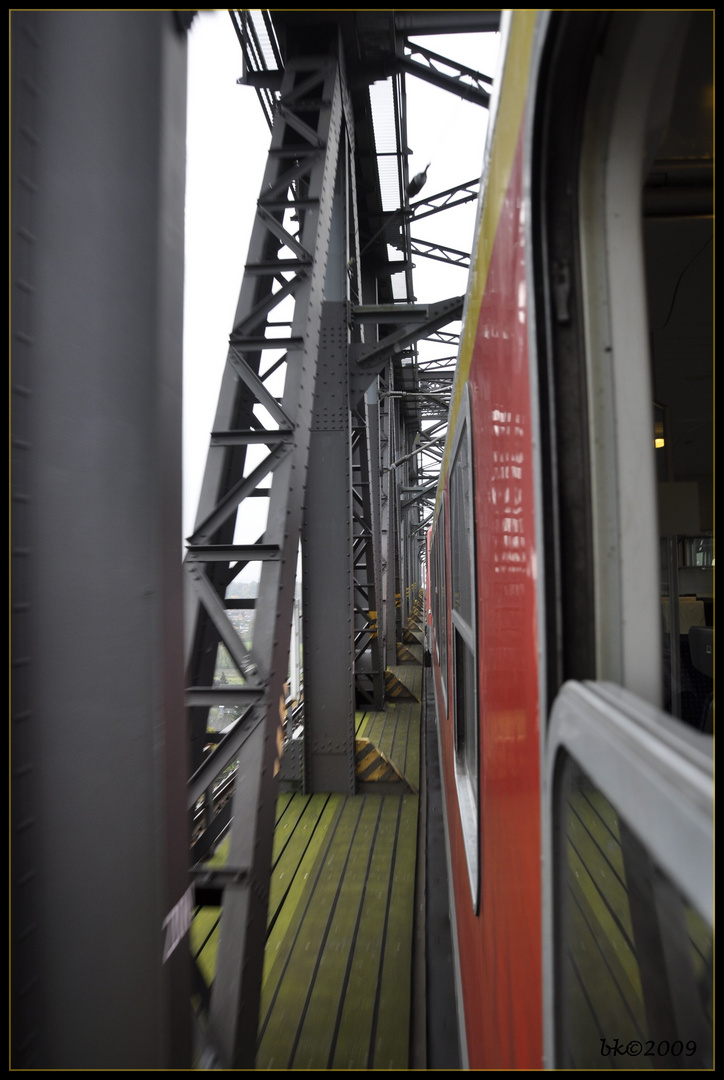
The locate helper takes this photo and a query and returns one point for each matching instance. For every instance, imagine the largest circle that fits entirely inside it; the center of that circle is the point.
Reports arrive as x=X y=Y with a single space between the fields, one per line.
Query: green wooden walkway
x=337 y=987
x=338 y=963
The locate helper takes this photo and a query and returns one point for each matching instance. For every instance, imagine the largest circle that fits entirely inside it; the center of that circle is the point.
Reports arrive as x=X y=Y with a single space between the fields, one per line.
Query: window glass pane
x=678 y=231
x=688 y=631
x=442 y=575
x=633 y=959
x=466 y=727
x=461 y=530
x=464 y=657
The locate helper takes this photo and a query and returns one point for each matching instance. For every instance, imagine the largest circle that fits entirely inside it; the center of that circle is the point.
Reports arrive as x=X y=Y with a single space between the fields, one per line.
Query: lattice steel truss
x=323 y=420
x=286 y=270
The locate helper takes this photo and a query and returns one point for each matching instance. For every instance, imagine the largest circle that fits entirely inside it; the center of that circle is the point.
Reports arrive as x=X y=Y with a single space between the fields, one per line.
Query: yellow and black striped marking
x=372 y=766
x=404 y=655
x=395 y=689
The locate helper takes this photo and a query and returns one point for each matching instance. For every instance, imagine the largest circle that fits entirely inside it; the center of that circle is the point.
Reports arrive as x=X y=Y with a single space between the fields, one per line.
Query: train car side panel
x=579 y=813
x=508 y=654
x=499 y=937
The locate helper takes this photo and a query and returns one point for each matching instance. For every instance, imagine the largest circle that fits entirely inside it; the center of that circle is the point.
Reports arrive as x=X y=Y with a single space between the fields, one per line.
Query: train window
x=628 y=788
x=647 y=231
x=435 y=582
x=464 y=658
x=636 y=959
x=441 y=596
x=678 y=241
x=633 y=948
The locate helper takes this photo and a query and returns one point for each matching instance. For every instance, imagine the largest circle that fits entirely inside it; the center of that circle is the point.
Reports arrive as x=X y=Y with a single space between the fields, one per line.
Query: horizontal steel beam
x=447 y=22
x=440 y=314
x=213 y=696
x=444 y=200
x=451 y=83
x=391 y=313
x=233 y=553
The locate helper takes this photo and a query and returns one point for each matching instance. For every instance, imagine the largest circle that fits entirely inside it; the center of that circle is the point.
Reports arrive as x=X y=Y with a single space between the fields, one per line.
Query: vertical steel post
x=388 y=527
x=327 y=610
x=100 y=844
x=369 y=669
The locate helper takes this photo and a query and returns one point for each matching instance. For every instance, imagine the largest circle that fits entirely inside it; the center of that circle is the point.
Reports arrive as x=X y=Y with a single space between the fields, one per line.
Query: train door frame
x=464 y=667
x=595 y=78
x=441 y=547
x=645 y=53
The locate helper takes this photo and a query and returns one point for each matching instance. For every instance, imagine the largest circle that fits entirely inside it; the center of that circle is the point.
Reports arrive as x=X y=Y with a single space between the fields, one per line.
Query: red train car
x=571 y=558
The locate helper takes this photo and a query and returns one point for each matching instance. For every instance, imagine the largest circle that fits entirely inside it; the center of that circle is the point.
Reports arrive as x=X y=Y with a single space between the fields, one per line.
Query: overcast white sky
x=227 y=143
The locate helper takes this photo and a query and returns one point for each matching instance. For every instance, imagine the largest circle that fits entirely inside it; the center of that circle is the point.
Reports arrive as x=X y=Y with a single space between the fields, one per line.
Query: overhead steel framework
x=328 y=420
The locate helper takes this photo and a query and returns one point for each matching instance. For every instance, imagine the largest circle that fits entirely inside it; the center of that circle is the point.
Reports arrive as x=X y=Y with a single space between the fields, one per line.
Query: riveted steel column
x=99 y=747
x=395 y=553
x=369 y=670
x=408 y=517
x=327 y=608
x=388 y=516
x=376 y=408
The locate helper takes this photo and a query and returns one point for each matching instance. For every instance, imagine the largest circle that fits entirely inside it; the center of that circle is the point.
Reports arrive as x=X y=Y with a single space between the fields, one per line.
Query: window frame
x=657 y=773
x=464 y=643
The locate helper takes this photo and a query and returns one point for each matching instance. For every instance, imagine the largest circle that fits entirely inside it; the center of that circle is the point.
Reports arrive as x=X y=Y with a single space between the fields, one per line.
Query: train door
x=622 y=164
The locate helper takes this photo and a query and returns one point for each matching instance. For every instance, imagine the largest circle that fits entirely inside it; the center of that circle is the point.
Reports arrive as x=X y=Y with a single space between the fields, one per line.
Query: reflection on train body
x=571 y=556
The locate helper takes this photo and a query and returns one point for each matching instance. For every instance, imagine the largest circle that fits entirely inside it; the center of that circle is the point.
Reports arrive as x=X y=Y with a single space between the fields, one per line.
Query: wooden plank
x=324 y=810
x=372 y=727
x=396 y=732
x=289 y=810
x=294 y=968
x=338 y=963
x=205 y=940
x=379 y=728
x=599 y=891
x=603 y=884
x=291 y=857
x=580 y=1023
x=353 y=1047
x=404 y=749
x=605 y=964
x=412 y=746
x=362 y=721
x=392 y=1036
x=205 y=924
x=401 y=732
x=317 y=1037
x=602 y=822
x=283 y=801
x=394 y=738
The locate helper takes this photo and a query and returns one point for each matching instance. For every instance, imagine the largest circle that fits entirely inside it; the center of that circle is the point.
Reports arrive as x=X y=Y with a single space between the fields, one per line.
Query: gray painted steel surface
x=327 y=570
x=99 y=836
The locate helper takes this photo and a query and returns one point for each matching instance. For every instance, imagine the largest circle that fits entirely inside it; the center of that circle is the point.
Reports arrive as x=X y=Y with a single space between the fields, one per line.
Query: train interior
x=678 y=238
x=633 y=932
